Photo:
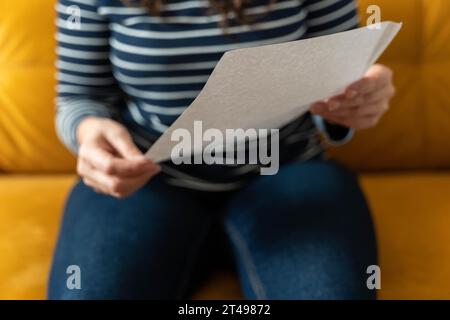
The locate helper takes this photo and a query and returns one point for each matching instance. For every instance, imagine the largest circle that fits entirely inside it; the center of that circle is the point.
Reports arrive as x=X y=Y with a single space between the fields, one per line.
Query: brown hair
x=221 y=6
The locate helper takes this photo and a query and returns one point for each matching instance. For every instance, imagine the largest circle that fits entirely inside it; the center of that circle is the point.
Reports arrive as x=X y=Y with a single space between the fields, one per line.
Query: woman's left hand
x=363 y=103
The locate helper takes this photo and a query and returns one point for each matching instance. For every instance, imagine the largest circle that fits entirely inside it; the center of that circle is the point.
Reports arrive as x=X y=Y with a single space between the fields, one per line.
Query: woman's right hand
x=109 y=161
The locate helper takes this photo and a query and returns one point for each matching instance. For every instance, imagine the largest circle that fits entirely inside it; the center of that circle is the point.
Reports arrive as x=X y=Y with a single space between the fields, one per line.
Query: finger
x=374 y=109
x=347 y=103
x=131 y=185
x=100 y=158
x=341 y=113
x=364 y=85
x=369 y=83
x=384 y=93
x=376 y=77
x=93 y=185
x=380 y=71
x=348 y=98
x=95 y=178
x=112 y=185
x=319 y=107
x=84 y=170
x=119 y=187
x=122 y=142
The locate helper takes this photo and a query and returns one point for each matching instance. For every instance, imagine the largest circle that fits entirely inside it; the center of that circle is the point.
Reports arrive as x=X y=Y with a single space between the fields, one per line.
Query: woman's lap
x=139 y=247
x=303 y=233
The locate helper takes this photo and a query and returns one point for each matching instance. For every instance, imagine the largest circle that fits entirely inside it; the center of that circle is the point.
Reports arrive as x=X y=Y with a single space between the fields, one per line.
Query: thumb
x=121 y=141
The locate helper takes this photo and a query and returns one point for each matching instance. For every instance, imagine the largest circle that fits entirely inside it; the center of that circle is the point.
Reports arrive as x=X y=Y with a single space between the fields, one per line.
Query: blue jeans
x=305 y=233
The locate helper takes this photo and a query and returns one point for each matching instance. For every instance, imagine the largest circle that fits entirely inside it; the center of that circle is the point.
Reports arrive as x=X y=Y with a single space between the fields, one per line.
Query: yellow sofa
x=403 y=163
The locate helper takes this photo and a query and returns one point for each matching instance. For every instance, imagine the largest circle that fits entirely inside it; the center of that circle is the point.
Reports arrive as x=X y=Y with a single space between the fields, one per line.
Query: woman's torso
x=162 y=62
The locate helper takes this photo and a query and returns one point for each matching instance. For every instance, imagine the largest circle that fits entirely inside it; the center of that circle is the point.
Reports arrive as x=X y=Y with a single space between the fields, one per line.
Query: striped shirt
x=122 y=63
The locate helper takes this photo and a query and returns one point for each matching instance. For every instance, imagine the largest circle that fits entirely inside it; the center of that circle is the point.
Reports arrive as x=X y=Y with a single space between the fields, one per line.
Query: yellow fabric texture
x=414 y=133
x=411 y=207
x=30 y=209
x=28 y=141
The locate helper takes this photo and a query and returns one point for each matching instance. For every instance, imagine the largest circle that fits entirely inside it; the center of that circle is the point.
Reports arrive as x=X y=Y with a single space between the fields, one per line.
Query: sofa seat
x=410 y=211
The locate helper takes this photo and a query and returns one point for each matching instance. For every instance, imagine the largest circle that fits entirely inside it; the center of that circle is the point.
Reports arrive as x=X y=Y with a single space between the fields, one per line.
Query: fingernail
x=333 y=105
x=352 y=93
x=138 y=158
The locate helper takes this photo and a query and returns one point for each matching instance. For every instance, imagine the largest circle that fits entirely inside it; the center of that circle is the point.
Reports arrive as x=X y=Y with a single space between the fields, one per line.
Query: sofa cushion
x=410 y=211
x=28 y=142
x=30 y=208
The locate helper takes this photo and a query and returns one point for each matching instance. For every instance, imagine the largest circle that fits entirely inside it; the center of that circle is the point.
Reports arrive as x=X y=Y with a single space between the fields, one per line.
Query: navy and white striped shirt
x=145 y=70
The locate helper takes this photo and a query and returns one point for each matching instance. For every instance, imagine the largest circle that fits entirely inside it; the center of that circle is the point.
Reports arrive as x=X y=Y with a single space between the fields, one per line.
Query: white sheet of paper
x=267 y=87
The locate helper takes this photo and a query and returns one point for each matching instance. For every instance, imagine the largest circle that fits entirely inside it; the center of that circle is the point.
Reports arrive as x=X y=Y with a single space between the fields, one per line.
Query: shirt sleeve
x=86 y=86
x=328 y=17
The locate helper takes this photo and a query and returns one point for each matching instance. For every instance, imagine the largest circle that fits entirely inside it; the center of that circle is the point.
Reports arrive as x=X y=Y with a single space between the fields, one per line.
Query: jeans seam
x=249 y=265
